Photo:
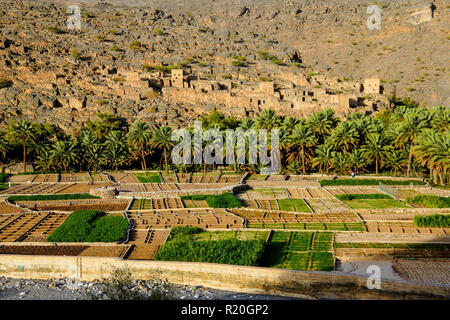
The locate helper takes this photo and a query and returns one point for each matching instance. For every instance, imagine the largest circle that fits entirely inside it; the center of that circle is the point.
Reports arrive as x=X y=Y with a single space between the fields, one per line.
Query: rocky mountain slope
x=51 y=73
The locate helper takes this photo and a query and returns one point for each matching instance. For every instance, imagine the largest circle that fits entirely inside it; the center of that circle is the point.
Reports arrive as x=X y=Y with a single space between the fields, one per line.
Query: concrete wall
x=226 y=277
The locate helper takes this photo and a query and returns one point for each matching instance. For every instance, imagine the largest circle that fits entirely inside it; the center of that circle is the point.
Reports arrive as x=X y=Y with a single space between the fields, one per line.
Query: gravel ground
x=64 y=289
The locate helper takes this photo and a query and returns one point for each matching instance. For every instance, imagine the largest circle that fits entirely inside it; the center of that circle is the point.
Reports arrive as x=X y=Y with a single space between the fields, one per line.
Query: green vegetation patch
x=299 y=251
x=433 y=221
x=180 y=232
x=148 y=177
x=3 y=177
x=369 y=182
x=430 y=201
x=44 y=197
x=90 y=226
x=344 y=197
x=224 y=200
x=297 y=205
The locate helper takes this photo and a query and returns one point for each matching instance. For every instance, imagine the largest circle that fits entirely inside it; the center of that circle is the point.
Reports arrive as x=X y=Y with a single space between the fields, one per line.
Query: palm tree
x=162 y=139
x=396 y=160
x=289 y=124
x=344 y=137
x=322 y=123
x=268 y=120
x=4 y=146
x=23 y=132
x=95 y=156
x=139 y=139
x=302 y=137
x=323 y=158
x=440 y=119
x=357 y=160
x=64 y=154
x=433 y=150
x=246 y=124
x=408 y=131
x=116 y=149
x=44 y=161
x=376 y=148
x=341 y=162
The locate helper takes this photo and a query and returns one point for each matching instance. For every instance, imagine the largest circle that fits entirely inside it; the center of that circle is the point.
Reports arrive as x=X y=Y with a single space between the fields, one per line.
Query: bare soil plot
x=98 y=177
x=262 y=204
x=66 y=250
x=42 y=230
x=226 y=178
x=353 y=190
x=123 y=177
x=45 y=178
x=146 y=243
x=81 y=187
x=403 y=193
x=37 y=188
x=21 y=178
x=6 y=208
x=75 y=177
x=79 y=204
x=160 y=203
x=169 y=178
x=326 y=205
x=18 y=228
x=202 y=218
x=262 y=216
x=403 y=227
x=425 y=270
x=195 y=203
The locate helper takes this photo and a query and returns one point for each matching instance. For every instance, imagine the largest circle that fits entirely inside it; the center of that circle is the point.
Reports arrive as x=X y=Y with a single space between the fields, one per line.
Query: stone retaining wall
x=226 y=277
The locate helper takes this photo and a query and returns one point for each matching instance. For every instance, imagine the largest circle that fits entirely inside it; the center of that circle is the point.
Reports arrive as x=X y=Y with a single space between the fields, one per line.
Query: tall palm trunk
x=376 y=166
x=165 y=160
x=409 y=159
x=303 y=160
x=24 y=157
x=144 y=164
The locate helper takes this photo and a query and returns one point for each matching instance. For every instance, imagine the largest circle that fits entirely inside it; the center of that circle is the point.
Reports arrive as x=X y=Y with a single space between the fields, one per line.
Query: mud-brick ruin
x=293 y=95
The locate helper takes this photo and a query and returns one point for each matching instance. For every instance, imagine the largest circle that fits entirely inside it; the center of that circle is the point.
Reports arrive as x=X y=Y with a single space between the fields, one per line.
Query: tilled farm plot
x=162 y=203
x=262 y=204
x=123 y=177
x=7 y=208
x=38 y=188
x=201 y=178
x=75 y=177
x=403 y=193
x=227 y=179
x=189 y=203
x=45 y=178
x=326 y=205
x=22 y=225
x=146 y=243
x=309 y=193
x=42 y=230
x=403 y=227
x=98 y=177
x=425 y=270
x=81 y=187
x=66 y=250
x=105 y=205
x=353 y=190
x=202 y=218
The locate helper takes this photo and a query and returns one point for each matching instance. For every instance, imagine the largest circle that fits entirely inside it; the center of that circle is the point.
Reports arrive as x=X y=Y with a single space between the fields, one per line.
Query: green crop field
x=369 y=182
x=90 y=226
x=429 y=201
x=375 y=203
x=297 y=205
x=224 y=200
x=299 y=251
x=148 y=177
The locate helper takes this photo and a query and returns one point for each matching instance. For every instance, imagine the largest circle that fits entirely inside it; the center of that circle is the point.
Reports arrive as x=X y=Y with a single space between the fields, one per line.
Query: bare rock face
x=316 y=53
x=421 y=13
x=77 y=102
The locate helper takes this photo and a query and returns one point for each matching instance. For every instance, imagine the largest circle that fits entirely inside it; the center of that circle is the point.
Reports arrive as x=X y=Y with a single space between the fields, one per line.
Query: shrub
x=179 y=232
x=237 y=252
x=3 y=176
x=43 y=197
x=54 y=29
x=75 y=54
x=90 y=226
x=224 y=200
x=369 y=182
x=430 y=201
x=5 y=83
x=363 y=196
x=433 y=221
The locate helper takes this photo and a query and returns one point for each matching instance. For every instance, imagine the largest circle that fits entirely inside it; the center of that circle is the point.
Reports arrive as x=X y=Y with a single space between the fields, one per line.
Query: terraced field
x=150 y=204
x=104 y=205
x=300 y=251
x=202 y=218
